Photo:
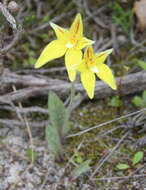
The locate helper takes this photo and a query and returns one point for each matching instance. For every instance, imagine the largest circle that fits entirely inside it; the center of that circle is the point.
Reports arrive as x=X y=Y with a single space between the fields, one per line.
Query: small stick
x=119 y=178
x=31 y=143
x=105 y=123
x=109 y=155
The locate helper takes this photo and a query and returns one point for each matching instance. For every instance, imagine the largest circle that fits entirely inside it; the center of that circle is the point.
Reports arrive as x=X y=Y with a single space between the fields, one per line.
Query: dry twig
x=100 y=164
x=106 y=123
x=39 y=85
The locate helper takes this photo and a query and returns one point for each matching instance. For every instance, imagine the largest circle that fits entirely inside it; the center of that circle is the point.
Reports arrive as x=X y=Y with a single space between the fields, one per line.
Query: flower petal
x=83 y=42
x=61 y=33
x=73 y=58
x=82 y=67
x=76 y=28
x=53 y=50
x=89 y=54
x=106 y=75
x=101 y=57
x=88 y=81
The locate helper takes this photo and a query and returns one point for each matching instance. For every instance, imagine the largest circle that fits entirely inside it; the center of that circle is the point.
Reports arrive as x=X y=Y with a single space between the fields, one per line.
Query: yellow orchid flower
x=69 y=42
x=93 y=64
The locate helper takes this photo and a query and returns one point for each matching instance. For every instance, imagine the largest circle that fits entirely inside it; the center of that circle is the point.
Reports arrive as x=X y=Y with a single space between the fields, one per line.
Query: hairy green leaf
x=58 y=114
x=53 y=139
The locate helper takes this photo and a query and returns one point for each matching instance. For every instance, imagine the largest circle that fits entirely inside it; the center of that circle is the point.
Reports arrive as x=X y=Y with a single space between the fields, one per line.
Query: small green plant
x=122 y=166
x=69 y=43
x=140 y=63
x=140 y=101
x=31 y=61
x=59 y=126
x=80 y=169
x=122 y=17
x=30 y=19
x=78 y=158
x=138 y=156
x=31 y=154
x=115 y=101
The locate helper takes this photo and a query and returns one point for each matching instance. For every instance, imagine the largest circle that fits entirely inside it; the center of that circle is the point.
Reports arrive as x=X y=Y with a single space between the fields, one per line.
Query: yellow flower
x=69 y=42
x=93 y=63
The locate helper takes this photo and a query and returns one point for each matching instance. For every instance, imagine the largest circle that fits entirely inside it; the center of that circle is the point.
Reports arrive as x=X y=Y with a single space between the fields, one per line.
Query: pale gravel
x=12 y=166
x=45 y=174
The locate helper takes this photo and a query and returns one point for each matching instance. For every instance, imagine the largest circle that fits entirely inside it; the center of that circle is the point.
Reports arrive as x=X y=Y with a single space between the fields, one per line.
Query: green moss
x=94 y=146
x=89 y=115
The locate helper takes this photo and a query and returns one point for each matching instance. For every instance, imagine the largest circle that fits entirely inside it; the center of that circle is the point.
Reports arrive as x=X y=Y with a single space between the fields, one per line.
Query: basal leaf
x=58 y=114
x=53 y=139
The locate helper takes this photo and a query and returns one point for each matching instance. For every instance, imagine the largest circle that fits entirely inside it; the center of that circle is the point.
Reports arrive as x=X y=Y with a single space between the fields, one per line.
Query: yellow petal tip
x=36 y=66
x=92 y=42
x=114 y=87
x=91 y=97
x=78 y=15
x=109 y=51
x=72 y=76
x=72 y=79
x=52 y=24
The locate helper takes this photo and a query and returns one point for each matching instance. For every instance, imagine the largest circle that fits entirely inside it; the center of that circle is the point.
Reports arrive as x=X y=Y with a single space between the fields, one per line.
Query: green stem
x=72 y=97
x=69 y=110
